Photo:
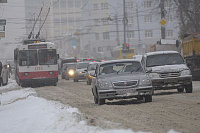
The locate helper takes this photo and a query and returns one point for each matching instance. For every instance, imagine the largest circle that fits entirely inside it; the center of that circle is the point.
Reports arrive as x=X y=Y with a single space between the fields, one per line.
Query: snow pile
x=11 y=84
x=21 y=111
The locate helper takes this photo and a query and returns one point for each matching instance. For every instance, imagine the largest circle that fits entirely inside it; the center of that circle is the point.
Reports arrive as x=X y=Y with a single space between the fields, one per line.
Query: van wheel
x=148 y=98
x=189 y=88
x=180 y=89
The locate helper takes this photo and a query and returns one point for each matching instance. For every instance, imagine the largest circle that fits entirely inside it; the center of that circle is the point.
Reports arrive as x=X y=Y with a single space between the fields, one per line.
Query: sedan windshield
x=82 y=65
x=164 y=59
x=120 y=67
x=28 y=58
x=47 y=57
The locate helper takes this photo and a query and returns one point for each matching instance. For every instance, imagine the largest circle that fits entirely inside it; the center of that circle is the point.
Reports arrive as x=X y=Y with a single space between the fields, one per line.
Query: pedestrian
x=4 y=75
x=0 y=73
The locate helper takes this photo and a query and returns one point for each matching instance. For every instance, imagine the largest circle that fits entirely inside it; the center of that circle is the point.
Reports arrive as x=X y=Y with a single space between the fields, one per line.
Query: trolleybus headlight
x=26 y=74
x=50 y=73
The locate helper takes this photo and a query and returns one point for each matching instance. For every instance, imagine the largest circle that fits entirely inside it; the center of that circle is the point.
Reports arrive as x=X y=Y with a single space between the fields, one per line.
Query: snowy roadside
x=21 y=111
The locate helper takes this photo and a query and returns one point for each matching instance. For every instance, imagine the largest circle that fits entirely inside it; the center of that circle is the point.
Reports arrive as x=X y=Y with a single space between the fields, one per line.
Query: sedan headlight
x=185 y=72
x=154 y=75
x=105 y=85
x=145 y=82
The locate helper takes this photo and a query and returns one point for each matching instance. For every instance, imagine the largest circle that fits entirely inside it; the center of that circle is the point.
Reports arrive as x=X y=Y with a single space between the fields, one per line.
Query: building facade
x=143 y=29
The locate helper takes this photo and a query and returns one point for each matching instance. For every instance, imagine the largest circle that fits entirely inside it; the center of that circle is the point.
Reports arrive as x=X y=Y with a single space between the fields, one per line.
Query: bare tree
x=189 y=16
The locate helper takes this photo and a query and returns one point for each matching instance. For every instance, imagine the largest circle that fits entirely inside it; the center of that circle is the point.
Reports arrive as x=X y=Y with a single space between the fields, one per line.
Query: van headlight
x=154 y=75
x=105 y=85
x=185 y=72
x=145 y=82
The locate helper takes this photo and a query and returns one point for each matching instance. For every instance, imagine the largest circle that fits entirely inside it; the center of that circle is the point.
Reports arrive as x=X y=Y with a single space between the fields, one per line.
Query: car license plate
x=171 y=81
x=121 y=92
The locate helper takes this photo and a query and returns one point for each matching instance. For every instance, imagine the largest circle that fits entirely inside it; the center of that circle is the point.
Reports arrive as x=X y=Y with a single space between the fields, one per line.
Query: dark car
x=90 y=71
x=70 y=70
x=80 y=72
x=66 y=60
x=119 y=79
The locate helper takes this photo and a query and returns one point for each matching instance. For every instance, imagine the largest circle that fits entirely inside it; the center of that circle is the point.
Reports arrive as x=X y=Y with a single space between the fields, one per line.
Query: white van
x=168 y=70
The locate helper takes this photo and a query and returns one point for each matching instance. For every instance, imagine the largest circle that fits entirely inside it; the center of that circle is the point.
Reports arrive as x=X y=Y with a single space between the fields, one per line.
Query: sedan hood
x=123 y=77
x=169 y=68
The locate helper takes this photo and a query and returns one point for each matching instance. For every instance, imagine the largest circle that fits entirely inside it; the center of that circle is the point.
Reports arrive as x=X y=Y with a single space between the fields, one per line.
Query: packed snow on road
x=22 y=111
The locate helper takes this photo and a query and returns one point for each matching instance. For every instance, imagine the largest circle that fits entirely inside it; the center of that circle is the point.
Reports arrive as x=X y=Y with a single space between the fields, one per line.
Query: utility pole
x=162 y=8
x=124 y=21
x=117 y=28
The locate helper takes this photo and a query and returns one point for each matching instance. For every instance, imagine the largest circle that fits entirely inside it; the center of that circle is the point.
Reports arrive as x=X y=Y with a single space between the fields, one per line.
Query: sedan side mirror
x=148 y=70
x=93 y=74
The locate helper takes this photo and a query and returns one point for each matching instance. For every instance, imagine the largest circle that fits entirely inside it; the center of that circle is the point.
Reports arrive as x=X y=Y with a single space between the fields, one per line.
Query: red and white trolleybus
x=36 y=63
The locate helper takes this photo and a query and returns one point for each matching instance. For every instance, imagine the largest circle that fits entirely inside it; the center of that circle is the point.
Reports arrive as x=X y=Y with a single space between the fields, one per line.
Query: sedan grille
x=125 y=84
x=172 y=74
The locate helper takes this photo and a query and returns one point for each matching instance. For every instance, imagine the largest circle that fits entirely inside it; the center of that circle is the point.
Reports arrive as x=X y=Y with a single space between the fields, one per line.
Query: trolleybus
x=36 y=64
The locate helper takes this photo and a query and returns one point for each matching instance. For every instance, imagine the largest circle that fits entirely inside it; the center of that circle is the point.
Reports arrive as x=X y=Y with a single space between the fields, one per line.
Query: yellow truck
x=191 y=53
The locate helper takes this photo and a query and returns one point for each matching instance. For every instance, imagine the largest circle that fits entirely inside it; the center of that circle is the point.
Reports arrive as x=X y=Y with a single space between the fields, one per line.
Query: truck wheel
x=189 y=88
x=148 y=98
x=180 y=89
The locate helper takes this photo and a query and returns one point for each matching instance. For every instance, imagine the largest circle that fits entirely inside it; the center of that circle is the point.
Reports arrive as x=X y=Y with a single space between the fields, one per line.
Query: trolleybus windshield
x=28 y=58
x=47 y=57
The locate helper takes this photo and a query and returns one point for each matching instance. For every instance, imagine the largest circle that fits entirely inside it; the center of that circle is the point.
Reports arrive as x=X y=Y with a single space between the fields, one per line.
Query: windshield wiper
x=135 y=70
x=121 y=69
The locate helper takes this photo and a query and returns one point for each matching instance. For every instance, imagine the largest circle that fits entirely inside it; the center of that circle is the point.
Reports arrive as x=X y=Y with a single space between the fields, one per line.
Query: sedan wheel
x=148 y=98
x=180 y=89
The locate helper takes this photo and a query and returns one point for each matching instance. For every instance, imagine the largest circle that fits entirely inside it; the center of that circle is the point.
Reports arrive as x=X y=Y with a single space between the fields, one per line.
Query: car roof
x=160 y=52
x=115 y=61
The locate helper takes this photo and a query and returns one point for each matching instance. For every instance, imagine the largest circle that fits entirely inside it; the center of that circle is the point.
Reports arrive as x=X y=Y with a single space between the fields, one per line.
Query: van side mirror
x=58 y=56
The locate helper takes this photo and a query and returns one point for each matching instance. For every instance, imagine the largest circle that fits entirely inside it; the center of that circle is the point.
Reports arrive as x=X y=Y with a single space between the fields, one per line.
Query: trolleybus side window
x=47 y=57
x=28 y=58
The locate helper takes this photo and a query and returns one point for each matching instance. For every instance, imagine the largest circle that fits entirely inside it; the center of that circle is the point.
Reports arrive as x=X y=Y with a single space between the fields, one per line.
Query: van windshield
x=164 y=59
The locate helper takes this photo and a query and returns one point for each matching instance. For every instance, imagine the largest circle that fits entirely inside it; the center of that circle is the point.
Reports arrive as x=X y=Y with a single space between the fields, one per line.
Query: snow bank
x=22 y=112
x=11 y=84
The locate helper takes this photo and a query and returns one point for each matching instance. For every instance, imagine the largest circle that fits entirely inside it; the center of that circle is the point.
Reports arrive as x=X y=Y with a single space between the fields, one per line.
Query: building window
x=130 y=19
x=99 y=49
x=169 y=33
x=147 y=3
x=106 y=36
x=129 y=5
x=148 y=18
x=148 y=33
x=95 y=6
x=169 y=18
x=108 y=48
x=104 y=21
x=130 y=34
x=97 y=36
x=94 y=50
x=104 y=6
x=96 y=21
x=77 y=3
x=70 y=4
